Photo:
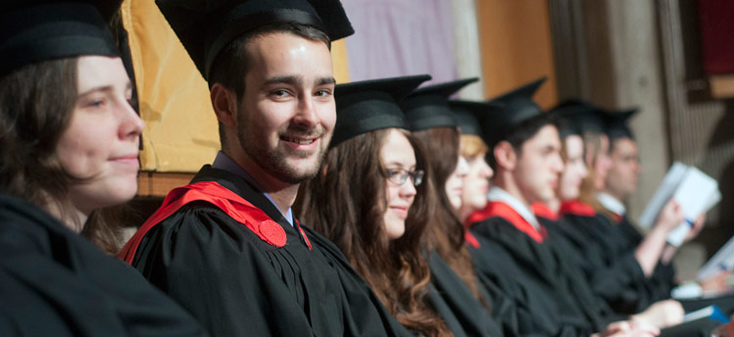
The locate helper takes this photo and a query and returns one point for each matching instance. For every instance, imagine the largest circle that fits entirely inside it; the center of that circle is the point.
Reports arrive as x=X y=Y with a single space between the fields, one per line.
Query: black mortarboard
x=617 y=126
x=428 y=107
x=518 y=107
x=473 y=115
x=32 y=31
x=580 y=116
x=205 y=27
x=371 y=105
x=568 y=115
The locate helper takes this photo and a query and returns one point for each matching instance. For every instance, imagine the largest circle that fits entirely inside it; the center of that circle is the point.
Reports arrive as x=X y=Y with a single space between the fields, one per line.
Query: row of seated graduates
x=581 y=259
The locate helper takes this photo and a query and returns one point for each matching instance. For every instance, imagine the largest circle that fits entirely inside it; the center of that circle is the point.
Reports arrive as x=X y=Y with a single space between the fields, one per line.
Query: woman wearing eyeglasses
x=370 y=199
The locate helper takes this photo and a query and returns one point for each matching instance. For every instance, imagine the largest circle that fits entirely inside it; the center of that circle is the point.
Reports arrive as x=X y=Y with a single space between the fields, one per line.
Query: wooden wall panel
x=516 y=47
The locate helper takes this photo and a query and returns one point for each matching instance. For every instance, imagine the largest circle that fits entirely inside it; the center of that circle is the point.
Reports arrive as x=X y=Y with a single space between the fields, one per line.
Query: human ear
x=224 y=102
x=505 y=156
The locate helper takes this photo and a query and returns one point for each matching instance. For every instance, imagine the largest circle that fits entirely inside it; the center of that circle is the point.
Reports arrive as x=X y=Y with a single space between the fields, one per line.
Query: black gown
x=473 y=318
x=607 y=246
x=535 y=309
x=551 y=268
x=620 y=282
x=54 y=282
x=663 y=278
x=237 y=284
x=610 y=249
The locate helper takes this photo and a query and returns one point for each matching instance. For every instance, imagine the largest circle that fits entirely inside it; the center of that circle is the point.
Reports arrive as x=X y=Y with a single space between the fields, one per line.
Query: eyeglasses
x=399 y=176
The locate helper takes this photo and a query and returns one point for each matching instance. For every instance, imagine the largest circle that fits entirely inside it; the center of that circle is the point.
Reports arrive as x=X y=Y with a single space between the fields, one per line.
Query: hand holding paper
x=694 y=191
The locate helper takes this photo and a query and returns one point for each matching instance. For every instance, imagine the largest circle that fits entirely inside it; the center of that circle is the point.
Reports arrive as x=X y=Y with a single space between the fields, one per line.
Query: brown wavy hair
x=36 y=105
x=445 y=229
x=346 y=203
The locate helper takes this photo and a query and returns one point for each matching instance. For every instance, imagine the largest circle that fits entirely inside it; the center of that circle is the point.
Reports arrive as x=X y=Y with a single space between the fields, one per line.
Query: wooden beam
x=158 y=184
x=722 y=86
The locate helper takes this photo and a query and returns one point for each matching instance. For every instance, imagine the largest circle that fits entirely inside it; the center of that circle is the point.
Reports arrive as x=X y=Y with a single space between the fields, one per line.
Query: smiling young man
x=227 y=246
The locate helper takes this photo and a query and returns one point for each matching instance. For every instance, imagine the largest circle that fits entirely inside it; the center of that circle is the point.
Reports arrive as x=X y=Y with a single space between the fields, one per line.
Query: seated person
x=526 y=158
x=378 y=219
x=68 y=148
x=227 y=247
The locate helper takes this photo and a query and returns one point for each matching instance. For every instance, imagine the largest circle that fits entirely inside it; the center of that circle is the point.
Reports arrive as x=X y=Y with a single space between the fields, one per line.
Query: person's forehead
x=397 y=149
x=97 y=71
x=277 y=52
x=546 y=136
x=253 y=43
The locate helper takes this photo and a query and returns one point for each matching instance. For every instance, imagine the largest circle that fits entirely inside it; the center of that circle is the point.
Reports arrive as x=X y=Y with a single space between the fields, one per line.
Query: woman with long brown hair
x=370 y=200
x=68 y=148
x=435 y=125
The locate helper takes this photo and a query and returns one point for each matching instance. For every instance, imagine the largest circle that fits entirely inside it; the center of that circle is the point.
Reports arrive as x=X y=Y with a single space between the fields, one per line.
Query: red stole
x=503 y=210
x=541 y=209
x=576 y=207
x=471 y=239
x=232 y=204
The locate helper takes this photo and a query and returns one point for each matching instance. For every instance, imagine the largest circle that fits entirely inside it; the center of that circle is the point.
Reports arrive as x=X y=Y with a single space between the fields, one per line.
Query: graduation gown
x=472 y=317
x=256 y=275
x=545 y=263
x=54 y=282
x=613 y=269
x=536 y=311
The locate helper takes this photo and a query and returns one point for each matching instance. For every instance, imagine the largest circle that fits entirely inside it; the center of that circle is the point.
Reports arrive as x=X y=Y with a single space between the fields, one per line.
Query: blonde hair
x=592 y=151
x=472 y=146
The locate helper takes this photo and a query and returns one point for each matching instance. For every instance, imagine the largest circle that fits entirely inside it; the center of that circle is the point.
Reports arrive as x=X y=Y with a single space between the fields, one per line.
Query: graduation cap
x=568 y=115
x=371 y=105
x=471 y=115
x=577 y=116
x=205 y=27
x=32 y=31
x=428 y=107
x=518 y=107
x=617 y=126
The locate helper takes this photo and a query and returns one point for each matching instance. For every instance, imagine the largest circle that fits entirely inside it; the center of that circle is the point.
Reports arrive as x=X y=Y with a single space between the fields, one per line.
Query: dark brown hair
x=519 y=134
x=346 y=203
x=446 y=231
x=36 y=105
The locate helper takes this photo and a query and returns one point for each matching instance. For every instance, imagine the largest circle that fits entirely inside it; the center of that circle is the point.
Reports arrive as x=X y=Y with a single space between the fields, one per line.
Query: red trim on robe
x=616 y=217
x=229 y=202
x=541 y=209
x=305 y=237
x=471 y=239
x=503 y=210
x=577 y=208
x=477 y=216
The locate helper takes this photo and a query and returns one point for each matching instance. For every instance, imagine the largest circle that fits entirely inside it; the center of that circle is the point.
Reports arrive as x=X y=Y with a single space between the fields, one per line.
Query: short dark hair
x=518 y=135
x=231 y=64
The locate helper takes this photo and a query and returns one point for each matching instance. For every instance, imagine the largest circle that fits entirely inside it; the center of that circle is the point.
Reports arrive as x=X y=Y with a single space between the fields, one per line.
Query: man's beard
x=275 y=163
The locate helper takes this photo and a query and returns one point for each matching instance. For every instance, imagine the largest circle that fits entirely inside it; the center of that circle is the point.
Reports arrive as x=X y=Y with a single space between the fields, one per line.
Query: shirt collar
x=498 y=194
x=224 y=162
x=611 y=203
